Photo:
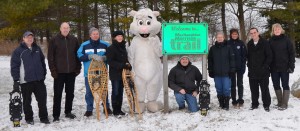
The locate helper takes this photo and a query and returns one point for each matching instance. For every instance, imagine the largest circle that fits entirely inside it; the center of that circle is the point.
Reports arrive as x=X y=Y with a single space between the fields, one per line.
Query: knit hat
x=116 y=33
x=184 y=57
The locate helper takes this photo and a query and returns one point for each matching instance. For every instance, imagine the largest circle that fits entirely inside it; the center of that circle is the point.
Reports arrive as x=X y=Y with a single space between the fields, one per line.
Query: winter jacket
x=240 y=52
x=116 y=59
x=221 y=60
x=27 y=64
x=98 y=47
x=283 y=54
x=62 y=54
x=259 y=59
x=187 y=79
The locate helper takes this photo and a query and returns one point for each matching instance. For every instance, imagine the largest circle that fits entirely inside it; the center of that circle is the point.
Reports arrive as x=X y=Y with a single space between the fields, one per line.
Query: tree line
x=43 y=17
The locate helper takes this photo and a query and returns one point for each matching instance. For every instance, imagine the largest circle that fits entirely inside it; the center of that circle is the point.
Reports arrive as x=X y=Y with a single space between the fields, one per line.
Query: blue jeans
x=190 y=100
x=223 y=85
x=89 y=99
x=283 y=77
x=117 y=93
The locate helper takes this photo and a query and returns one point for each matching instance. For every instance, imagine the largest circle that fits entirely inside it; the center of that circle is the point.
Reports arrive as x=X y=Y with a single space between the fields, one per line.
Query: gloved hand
x=128 y=66
x=231 y=74
x=16 y=86
x=211 y=74
x=290 y=70
x=97 y=57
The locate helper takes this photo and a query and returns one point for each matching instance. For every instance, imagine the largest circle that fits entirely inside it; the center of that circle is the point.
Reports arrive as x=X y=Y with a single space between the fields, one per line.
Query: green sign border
x=164 y=52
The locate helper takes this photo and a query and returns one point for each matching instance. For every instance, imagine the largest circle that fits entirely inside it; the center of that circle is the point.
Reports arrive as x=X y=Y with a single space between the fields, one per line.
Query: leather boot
x=279 y=97
x=285 y=100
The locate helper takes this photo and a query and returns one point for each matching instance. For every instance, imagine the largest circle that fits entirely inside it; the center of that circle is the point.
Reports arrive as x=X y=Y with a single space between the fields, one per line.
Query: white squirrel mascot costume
x=144 y=55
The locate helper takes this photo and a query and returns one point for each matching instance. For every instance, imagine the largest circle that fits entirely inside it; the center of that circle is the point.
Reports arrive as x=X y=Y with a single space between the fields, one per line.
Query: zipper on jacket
x=31 y=51
x=66 y=42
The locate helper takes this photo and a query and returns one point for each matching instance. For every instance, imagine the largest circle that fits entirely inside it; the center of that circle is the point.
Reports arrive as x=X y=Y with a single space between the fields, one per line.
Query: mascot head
x=145 y=23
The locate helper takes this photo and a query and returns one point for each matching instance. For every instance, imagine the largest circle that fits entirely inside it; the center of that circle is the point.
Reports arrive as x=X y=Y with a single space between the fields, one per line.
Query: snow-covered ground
x=234 y=119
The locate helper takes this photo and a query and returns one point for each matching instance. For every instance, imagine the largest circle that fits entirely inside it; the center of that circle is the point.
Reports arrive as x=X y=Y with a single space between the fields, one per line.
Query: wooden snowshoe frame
x=131 y=92
x=98 y=78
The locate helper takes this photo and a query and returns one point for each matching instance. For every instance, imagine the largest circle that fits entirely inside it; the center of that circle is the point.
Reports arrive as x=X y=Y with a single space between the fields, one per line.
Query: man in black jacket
x=239 y=50
x=117 y=60
x=28 y=69
x=64 y=66
x=259 y=59
x=185 y=79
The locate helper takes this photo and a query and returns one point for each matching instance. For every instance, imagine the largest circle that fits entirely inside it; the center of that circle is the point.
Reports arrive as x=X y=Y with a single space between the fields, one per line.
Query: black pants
x=237 y=80
x=264 y=88
x=117 y=94
x=38 y=88
x=283 y=77
x=66 y=80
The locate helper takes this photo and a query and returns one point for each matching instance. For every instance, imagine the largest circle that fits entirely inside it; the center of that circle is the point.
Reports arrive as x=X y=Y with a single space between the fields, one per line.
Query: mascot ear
x=156 y=13
x=132 y=13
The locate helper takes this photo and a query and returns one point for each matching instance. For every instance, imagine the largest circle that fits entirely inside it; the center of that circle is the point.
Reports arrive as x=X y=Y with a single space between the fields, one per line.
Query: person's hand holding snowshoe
x=97 y=57
x=16 y=86
x=128 y=66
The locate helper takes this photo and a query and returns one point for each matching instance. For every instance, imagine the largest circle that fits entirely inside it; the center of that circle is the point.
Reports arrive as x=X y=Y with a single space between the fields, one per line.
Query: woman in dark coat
x=240 y=52
x=282 y=64
x=117 y=60
x=221 y=66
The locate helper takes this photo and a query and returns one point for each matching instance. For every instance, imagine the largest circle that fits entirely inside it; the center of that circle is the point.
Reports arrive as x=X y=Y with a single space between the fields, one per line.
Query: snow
x=217 y=119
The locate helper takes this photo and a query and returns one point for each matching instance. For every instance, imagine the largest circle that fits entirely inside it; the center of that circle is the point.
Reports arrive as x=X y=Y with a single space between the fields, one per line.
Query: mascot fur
x=144 y=55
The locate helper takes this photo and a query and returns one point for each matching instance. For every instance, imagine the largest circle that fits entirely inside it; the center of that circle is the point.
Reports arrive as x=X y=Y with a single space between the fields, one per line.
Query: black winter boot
x=226 y=103
x=221 y=101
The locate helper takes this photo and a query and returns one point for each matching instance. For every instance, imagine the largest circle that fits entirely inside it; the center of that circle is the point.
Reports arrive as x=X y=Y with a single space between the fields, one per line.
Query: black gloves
x=211 y=74
x=290 y=70
x=128 y=66
x=17 y=86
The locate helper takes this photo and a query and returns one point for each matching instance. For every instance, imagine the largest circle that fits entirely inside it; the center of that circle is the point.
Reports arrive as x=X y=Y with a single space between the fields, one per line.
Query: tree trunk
x=167 y=10
x=79 y=36
x=224 y=20
x=292 y=23
x=85 y=21
x=241 y=20
x=96 y=24
x=180 y=11
x=135 y=5
x=112 y=19
x=117 y=16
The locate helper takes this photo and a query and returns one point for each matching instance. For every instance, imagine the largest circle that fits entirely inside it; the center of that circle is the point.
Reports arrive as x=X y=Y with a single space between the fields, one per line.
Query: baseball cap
x=27 y=33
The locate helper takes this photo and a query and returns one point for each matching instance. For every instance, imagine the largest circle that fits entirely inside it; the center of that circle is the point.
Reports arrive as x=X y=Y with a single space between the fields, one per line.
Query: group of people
x=227 y=60
x=226 y=64
x=65 y=55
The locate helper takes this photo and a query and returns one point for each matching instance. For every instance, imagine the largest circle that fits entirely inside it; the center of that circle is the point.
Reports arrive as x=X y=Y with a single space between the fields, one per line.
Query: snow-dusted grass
x=234 y=119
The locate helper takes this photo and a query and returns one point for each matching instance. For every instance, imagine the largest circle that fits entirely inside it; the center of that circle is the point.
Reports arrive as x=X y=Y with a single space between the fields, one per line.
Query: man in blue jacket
x=92 y=49
x=28 y=70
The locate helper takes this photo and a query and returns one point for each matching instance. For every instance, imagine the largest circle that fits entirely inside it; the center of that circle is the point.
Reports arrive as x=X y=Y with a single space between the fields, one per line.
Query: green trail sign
x=184 y=38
